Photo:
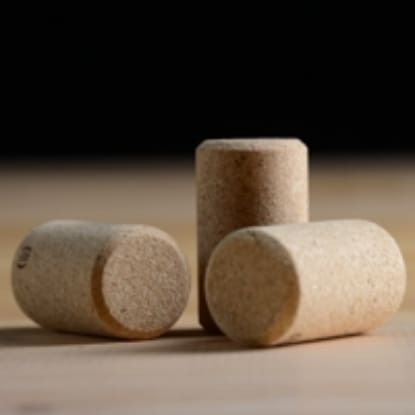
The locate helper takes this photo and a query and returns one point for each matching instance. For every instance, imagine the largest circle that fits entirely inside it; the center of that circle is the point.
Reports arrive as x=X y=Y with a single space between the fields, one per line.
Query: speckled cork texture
x=292 y=283
x=246 y=182
x=125 y=281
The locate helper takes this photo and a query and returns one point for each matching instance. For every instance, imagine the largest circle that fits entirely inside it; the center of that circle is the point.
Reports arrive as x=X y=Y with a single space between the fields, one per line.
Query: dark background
x=156 y=83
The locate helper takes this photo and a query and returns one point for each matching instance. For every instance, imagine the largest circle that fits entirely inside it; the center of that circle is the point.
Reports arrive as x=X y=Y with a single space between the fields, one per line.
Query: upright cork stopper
x=246 y=182
x=292 y=283
x=126 y=281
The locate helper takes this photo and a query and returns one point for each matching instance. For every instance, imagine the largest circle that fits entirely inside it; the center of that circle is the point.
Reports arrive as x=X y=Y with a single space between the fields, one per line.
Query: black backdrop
x=153 y=84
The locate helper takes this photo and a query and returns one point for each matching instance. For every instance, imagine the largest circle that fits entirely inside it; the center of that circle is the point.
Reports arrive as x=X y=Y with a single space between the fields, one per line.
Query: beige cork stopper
x=291 y=283
x=127 y=281
x=246 y=182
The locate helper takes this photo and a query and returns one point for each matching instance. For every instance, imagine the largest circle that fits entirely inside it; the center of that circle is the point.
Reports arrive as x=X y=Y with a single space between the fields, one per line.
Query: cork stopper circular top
x=250 y=144
x=251 y=287
x=141 y=283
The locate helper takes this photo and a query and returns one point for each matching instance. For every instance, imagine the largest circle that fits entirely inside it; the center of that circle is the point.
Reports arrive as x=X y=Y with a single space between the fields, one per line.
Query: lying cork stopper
x=246 y=182
x=126 y=281
x=291 y=283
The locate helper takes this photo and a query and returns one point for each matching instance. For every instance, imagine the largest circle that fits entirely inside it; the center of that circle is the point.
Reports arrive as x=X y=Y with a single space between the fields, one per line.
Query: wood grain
x=188 y=371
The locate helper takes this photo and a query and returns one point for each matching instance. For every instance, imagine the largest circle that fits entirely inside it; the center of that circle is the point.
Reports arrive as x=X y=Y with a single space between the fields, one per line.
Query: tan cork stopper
x=127 y=281
x=246 y=182
x=292 y=283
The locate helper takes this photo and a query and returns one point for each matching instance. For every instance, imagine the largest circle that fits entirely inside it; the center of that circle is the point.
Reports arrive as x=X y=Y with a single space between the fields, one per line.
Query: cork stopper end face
x=252 y=144
x=252 y=288
x=144 y=285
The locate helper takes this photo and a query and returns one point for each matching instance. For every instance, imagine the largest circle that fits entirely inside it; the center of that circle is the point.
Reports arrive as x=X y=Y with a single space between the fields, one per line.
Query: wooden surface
x=187 y=372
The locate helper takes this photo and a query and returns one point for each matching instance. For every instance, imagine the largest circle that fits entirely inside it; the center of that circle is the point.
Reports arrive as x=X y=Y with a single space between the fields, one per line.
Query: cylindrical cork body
x=291 y=283
x=127 y=281
x=246 y=182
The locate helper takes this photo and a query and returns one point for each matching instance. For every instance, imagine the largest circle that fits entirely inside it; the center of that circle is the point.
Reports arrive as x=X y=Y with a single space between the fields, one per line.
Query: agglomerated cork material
x=291 y=283
x=126 y=281
x=246 y=182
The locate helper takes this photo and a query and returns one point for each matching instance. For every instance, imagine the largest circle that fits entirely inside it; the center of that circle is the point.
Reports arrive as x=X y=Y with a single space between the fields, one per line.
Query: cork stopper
x=127 y=281
x=291 y=283
x=246 y=182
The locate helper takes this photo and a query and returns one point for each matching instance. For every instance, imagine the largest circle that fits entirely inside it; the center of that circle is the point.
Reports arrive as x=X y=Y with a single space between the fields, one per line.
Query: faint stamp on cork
x=24 y=256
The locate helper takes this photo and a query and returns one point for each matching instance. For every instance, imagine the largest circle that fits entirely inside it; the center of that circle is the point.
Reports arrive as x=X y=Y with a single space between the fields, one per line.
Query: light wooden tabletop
x=187 y=371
